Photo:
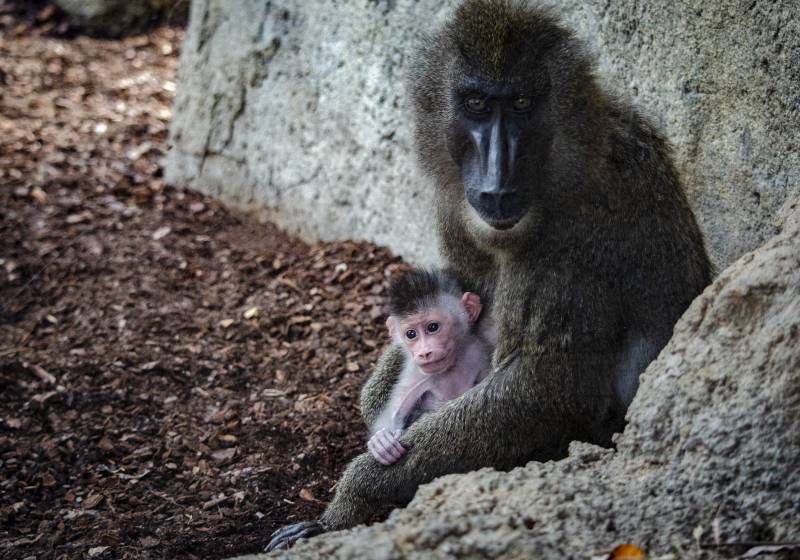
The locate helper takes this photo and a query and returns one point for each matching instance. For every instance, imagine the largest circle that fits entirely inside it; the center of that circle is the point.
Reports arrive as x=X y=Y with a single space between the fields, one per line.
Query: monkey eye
x=433 y=327
x=411 y=334
x=475 y=104
x=522 y=103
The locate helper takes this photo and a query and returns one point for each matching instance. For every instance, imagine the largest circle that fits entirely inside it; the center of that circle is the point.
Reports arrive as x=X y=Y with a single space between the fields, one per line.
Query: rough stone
x=712 y=445
x=722 y=79
x=301 y=109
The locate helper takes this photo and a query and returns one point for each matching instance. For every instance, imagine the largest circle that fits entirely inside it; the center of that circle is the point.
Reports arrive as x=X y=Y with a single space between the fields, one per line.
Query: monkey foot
x=285 y=537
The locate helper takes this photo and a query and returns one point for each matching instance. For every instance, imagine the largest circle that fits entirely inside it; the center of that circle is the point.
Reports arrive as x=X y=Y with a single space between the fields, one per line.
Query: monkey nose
x=425 y=356
x=499 y=207
x=497 y=199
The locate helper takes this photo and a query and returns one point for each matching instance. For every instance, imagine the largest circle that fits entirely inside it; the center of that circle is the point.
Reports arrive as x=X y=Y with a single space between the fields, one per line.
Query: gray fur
x=609 y=246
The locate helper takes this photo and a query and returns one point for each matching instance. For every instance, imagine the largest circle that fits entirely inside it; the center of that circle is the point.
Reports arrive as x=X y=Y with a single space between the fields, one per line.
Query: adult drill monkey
x=561 y=206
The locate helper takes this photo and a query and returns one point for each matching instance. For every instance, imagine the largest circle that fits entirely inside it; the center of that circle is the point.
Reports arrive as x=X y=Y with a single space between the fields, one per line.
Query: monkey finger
x=285 y=537
x=377 y=453
x=385 y=449
x=389 y=441
x=391 y=445
x=397 y=434
x=398 y=448
x=386 y=458
x=392 y=441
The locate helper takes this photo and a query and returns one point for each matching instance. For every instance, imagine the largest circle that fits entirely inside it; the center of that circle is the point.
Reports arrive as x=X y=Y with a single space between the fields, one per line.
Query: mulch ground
x=176 y=379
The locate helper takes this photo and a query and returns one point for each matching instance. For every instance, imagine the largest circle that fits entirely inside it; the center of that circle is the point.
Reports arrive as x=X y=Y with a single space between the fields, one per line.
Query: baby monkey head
x=430 y=317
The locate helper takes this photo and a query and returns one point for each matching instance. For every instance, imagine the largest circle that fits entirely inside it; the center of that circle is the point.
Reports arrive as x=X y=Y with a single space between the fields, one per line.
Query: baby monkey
x=434 y=320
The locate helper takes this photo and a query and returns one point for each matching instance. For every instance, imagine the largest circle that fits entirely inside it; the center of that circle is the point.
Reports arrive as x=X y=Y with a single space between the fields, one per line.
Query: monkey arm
x=518 y=413
x=377 y=390
x=500 y=424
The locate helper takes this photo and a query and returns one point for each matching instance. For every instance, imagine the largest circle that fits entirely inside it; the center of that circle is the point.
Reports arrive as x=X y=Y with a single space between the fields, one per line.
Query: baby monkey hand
x=385 y=446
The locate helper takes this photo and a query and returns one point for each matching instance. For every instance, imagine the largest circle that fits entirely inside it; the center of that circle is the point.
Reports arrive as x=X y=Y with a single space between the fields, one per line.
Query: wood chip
x=92 y=501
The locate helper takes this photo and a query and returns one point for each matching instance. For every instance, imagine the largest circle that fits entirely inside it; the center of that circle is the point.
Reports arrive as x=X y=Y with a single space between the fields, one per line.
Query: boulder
x=300 y=110
x=710 y=456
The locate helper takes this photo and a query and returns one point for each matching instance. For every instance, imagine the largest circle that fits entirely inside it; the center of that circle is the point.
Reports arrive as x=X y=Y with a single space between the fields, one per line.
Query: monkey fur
x=558 y=203
x=447 y=353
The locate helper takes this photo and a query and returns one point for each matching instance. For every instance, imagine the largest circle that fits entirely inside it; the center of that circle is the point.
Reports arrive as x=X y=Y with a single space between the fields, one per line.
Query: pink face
x=431 y=338
x=433 y=335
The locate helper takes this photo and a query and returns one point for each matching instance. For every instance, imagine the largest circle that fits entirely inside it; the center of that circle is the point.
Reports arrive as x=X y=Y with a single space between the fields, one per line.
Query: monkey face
x=499 y=139
x=432 y=338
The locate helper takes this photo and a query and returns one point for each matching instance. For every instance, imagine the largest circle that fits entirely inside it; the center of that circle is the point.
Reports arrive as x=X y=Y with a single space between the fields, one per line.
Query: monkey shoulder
x=634 y=138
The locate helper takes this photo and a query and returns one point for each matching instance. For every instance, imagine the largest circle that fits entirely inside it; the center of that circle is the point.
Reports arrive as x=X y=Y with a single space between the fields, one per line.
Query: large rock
x=722 y=79
x=713 y=440
x=298 y=108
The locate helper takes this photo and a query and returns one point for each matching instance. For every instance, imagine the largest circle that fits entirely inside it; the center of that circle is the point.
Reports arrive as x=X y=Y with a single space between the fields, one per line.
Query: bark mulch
x=176 y=379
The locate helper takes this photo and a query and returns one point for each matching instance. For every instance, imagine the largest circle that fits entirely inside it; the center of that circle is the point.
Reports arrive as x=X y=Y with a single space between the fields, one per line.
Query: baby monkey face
x=432 y=338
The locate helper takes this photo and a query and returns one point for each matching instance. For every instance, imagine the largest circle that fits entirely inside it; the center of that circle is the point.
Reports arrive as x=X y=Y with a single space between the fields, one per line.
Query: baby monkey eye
x=411 y=334
x=475 y=104
x=522 y=103
x=433 y=327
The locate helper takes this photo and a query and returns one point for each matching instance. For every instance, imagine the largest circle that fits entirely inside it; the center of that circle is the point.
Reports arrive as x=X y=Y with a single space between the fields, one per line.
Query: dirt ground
x=176 y=379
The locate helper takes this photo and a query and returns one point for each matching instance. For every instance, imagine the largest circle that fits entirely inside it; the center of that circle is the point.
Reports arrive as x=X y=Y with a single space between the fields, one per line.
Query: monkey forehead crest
x=502 y=38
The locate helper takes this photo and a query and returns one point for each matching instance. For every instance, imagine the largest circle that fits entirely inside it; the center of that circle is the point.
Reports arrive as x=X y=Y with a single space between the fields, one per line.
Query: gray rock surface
x=722 y=79
x=300 y=108
x=713 y=440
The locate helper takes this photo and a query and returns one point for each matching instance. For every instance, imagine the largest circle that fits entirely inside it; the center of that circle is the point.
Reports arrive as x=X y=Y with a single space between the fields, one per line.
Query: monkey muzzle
x=437 y=366
x=488 y=171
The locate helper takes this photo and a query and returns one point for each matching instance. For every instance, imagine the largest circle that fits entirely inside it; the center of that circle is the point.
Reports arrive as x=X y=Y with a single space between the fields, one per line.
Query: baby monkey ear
x=391 y=324
x=472 y=305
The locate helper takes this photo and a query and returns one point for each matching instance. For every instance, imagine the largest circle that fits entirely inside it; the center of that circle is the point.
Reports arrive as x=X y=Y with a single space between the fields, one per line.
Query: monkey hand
x=285 y=537
x=385 y=446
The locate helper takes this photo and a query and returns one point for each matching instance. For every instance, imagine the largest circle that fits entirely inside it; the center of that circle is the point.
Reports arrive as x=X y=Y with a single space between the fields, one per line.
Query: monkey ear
x=391 y=325
x=472 y=304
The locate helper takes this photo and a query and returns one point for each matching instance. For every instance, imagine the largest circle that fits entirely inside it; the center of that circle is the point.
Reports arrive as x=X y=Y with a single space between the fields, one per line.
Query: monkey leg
x=492 y=426
x=365 y=487
x=457 y=438
x=350 y=510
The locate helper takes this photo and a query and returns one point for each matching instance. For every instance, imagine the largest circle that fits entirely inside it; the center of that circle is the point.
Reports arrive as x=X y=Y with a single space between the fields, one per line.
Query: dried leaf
x=252 y=312
x=78 y=218
x=44 y=397
x=627 y=552
x=161 y=233
x=43 y=374
x=38 y=195
x=224 y=454
x=92 y=501
x=306 y=495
